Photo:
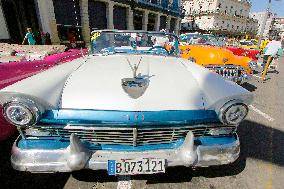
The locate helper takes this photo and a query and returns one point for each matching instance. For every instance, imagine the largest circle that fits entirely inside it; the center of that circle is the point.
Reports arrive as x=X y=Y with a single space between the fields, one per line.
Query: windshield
x=198 y=39
x=113 y=42
x=234 y=43
x=188 y=37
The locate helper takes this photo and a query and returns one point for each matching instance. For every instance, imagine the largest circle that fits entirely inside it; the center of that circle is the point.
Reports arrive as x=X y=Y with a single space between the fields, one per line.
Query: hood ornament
x=135 y=87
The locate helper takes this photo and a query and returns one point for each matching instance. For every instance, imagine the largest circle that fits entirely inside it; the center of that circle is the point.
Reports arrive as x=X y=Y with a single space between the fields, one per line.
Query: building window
x=97 y=15
x=163 y=22
x=137 y=19
x=172 y=25
x=68 y=21
x=119 y=18
x=151 y=22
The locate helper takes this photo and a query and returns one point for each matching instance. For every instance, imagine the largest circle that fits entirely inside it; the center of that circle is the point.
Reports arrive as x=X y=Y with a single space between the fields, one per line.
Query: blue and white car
x=129 y=107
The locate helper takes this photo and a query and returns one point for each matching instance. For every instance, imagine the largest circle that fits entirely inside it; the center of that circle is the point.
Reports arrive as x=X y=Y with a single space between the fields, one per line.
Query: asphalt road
x=260 y=166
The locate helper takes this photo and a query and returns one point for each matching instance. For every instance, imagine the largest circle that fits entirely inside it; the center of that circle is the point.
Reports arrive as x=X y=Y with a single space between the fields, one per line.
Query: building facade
x=260 y=16
x=229 y=17
x=79 y=17
x=277 y=28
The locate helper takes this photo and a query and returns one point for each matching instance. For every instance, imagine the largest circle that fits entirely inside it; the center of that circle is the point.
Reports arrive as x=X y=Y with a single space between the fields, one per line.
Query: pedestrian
x=272 y=49
x=38 y=39
x=47 y=39
x=42 y=38
x=29 y=37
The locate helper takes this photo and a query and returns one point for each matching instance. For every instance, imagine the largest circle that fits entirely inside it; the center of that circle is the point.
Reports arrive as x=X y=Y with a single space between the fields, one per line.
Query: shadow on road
x=249 y=87
x=9 y=178
x=257 y=141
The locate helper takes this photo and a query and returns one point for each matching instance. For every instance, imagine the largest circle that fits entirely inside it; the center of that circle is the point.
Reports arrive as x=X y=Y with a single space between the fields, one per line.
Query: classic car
x=247 y=44
x=209 y=52
x=132 y=108
x=11 y=72
x=238 y=50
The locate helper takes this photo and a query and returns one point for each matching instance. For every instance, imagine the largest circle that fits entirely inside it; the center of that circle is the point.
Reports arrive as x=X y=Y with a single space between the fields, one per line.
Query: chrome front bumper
x=77 y=157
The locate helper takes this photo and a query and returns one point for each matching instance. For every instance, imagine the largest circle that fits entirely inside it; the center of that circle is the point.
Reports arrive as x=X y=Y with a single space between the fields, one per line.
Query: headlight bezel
x=25 y=105
x=222 y=131
x=192 y=59
x=224 y=111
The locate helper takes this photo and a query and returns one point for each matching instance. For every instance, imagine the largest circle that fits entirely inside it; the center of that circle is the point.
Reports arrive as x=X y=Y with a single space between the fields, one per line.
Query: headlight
x=192 y=59
x=253 y=64
x=21 y=113
x=233 y=113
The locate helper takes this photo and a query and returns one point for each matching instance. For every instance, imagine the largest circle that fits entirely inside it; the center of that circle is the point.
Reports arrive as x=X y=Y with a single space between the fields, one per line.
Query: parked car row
x=132 y=106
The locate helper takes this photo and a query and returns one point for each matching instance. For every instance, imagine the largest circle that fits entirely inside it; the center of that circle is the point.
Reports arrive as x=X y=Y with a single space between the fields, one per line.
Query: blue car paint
x=57 y=144
x=130 y=118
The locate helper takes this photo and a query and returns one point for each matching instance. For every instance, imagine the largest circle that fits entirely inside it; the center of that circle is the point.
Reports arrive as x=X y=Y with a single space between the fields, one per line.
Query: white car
x=129 y=107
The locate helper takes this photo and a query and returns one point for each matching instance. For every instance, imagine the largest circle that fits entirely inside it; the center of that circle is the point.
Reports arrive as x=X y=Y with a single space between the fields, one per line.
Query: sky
x=261 y=5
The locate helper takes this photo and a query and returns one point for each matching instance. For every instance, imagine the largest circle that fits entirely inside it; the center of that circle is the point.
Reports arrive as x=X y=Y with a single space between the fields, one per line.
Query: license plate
x=136 y=166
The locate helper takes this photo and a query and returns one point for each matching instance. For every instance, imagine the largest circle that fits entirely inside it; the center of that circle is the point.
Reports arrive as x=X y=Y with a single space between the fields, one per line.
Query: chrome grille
x=228 y=71
x=114 y=135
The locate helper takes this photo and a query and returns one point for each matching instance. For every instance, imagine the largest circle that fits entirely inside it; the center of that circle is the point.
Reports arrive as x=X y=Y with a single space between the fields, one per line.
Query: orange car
x=217 y=59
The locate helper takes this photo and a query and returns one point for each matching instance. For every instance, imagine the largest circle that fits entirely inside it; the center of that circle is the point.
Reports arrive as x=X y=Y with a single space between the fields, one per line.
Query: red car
x=251 y=53
x=12 y=72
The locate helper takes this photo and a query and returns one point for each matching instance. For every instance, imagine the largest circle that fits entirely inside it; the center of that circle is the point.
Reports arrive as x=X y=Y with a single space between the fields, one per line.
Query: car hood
x=98 y=84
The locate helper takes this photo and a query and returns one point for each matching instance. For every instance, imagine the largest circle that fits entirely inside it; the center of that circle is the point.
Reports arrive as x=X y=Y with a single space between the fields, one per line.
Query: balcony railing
x=163 y=4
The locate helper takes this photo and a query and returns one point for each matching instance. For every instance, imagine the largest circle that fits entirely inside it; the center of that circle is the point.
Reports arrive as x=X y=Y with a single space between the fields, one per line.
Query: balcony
x=163 y=4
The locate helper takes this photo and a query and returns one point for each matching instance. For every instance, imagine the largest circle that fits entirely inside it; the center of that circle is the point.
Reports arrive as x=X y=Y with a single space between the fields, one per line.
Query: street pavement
x=260 y=166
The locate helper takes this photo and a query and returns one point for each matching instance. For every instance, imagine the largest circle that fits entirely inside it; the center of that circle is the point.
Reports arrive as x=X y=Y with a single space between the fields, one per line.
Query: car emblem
x=135 y=87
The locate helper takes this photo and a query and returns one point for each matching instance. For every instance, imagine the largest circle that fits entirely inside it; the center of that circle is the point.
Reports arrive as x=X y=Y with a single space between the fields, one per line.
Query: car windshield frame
x=133 y=48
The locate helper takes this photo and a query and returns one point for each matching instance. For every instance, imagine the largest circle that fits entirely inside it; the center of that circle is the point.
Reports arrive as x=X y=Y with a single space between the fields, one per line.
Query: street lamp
x=264 y=23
